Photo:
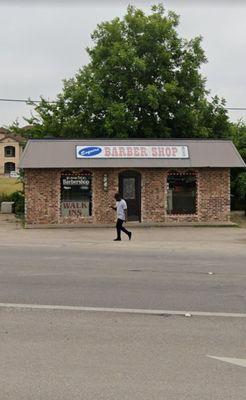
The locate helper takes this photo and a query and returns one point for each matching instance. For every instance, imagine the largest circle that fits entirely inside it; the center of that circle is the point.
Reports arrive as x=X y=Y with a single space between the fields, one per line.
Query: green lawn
x=9 y=185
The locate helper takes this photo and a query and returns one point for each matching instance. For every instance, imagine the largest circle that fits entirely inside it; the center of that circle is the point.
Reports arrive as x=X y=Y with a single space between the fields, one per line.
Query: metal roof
x=51 y=153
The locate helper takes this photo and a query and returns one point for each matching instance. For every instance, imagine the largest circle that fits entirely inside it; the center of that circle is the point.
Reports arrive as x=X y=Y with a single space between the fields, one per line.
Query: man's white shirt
x=121 y=206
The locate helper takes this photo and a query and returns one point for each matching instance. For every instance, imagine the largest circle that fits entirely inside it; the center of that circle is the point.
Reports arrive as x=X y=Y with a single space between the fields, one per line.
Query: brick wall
x=153 y=195
x=103 y=199
x=42 y=193
x=42 y=188
x=214 y=194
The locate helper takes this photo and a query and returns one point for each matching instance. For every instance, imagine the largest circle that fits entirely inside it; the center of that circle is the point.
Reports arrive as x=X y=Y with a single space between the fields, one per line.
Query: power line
x=53 y=102
x=235 y=108
x=26 y=101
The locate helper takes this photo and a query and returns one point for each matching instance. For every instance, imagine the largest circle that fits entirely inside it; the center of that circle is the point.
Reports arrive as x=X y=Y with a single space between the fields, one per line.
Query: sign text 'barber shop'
x=132 y=151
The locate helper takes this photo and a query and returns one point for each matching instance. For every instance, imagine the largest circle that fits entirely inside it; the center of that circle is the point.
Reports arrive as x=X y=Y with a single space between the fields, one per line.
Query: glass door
x=130 y=191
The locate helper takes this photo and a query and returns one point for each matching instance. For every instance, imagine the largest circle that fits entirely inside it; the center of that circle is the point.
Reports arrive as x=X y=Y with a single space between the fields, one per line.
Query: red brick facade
x=43 y=193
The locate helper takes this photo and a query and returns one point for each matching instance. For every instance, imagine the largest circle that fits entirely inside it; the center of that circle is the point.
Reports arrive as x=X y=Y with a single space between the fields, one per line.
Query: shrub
x=4 y=197
x=19 y=202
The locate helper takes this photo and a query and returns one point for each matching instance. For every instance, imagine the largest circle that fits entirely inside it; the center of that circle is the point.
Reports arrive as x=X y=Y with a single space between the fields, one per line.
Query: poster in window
x=75 y=208
x=76 y=195
x=81 y=181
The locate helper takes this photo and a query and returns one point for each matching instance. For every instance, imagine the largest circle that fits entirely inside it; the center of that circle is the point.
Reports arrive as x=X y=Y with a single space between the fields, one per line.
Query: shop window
x=9 y=167
x=182 y=192
x=9 y=151
x=76 y=194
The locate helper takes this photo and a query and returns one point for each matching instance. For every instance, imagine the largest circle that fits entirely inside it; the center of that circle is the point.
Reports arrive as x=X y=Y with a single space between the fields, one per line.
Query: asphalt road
x=61 y=355
x=158 y=269
x=51 y=354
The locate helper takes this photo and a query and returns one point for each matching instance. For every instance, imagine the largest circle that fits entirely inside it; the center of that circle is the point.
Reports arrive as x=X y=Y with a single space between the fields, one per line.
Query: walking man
x=121 y=209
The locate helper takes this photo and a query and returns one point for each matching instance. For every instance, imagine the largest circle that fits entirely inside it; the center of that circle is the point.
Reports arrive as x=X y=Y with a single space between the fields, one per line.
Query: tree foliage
x=238 y=135
x=143 y=80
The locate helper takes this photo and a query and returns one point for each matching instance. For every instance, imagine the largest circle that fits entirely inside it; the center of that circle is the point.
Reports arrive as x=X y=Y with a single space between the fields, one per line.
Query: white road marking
x=237 y=361
x=122 y=310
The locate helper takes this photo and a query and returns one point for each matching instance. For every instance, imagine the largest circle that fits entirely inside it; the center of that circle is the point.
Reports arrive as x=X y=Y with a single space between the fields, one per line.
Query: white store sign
x=132 y=152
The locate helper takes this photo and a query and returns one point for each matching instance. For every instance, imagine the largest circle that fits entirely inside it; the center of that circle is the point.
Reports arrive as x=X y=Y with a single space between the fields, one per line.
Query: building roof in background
x=3 y=130
x=62 y=154
x=5 y=134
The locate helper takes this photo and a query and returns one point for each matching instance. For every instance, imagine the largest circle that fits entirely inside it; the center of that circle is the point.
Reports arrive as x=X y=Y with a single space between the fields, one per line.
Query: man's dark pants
x=120 y=228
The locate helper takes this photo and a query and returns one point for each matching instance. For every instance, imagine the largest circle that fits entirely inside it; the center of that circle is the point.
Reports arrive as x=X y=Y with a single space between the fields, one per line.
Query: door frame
x=137 y=175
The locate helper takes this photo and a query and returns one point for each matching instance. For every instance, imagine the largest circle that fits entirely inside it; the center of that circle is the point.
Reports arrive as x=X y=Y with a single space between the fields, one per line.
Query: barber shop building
x=73 y=182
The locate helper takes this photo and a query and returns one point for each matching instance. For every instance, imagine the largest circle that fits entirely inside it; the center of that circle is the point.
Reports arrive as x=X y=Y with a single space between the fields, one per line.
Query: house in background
x=10 y=151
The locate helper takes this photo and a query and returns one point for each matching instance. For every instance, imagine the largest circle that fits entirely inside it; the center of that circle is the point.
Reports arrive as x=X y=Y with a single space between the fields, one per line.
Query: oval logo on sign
x=90 y=151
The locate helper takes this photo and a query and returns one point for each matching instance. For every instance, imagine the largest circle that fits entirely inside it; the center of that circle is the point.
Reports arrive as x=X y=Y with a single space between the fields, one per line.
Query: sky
x=44 y=42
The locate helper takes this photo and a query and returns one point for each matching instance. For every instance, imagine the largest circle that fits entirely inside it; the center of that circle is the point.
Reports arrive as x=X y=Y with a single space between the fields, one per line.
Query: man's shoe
x=116 y=240
x=130 y=235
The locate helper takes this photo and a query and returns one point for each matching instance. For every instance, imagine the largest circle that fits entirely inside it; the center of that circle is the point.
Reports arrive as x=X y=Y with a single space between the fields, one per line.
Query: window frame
x=12 y=166
x=76 y=205
x=13 y=151
x=192 y=173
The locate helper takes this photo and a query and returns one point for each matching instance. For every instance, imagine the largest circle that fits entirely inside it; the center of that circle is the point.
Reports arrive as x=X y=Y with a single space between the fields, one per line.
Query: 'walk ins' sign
x=132 y=152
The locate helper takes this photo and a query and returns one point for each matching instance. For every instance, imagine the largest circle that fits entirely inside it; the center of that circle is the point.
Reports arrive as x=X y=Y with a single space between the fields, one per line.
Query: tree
x=142 y=80
x=238 y=136
x=238 y=176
